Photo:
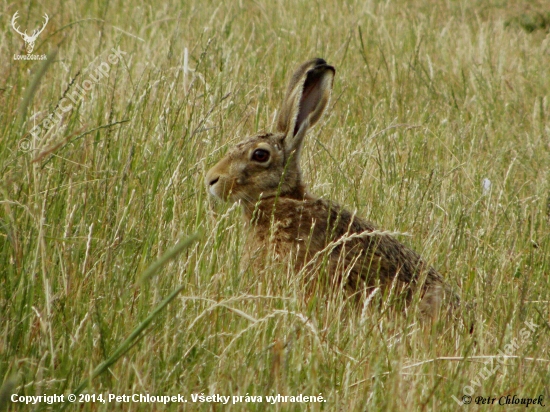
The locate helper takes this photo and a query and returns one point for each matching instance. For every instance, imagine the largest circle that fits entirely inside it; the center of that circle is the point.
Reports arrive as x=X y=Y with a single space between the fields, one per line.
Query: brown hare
x=263 y=173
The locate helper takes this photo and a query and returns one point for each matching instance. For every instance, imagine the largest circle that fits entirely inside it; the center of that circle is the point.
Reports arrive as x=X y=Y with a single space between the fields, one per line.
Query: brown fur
x=295 y=223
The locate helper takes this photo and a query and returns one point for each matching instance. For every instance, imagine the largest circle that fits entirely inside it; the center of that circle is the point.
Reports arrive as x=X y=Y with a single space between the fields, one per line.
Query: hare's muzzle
x=217 y=182
x=212 y=179
x=212 y=186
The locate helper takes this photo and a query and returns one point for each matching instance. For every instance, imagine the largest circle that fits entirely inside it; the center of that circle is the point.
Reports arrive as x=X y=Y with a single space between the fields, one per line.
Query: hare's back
x=318 y=225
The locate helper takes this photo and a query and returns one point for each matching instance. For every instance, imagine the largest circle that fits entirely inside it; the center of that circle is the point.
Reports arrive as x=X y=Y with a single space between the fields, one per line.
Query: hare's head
x=269 y=164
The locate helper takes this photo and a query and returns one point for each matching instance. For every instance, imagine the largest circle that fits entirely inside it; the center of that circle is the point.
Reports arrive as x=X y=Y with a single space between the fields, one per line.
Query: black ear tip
x=321 y=65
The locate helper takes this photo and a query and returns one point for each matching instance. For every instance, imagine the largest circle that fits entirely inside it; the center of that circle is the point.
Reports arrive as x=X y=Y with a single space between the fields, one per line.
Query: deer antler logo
x=29 y=40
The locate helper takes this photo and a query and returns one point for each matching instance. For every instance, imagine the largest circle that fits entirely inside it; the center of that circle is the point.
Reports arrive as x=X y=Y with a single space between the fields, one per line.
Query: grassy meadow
x=119 y=275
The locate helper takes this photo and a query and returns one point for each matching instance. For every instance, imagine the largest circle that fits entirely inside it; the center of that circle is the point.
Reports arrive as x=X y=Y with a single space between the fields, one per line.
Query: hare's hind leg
x=431 y=302
x=439 y=301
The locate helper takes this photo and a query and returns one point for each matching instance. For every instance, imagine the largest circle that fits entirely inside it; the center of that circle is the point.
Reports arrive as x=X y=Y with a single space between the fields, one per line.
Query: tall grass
x=431 y=99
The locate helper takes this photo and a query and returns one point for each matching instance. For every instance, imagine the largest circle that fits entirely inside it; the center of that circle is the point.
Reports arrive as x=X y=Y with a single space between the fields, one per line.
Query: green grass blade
x=136 y=334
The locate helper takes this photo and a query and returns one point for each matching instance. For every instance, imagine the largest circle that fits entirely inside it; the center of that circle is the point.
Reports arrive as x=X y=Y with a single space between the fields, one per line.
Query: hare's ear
x=306 y=99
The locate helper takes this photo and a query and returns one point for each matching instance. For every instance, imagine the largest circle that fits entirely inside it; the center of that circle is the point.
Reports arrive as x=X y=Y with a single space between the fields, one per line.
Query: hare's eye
x=260 y=155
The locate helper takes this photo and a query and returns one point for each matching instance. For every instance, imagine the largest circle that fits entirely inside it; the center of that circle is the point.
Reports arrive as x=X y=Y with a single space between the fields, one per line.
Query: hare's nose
x=212 y=182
